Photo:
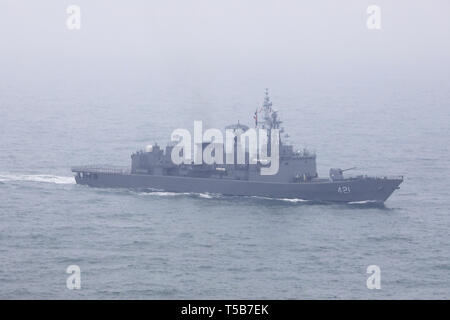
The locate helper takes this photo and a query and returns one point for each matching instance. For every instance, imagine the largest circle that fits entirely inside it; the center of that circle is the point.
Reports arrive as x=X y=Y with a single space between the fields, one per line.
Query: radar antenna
x=270 y=118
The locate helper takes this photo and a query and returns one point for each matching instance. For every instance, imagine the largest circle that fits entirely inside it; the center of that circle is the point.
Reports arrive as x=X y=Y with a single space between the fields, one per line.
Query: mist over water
x=376 y=100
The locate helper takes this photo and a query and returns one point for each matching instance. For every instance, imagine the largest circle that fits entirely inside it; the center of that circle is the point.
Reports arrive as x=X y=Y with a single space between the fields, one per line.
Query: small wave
x=174 y=194
x=364 y=202
x=206 y=195
x=37 y=178
x=293 y=200
x=162 y=193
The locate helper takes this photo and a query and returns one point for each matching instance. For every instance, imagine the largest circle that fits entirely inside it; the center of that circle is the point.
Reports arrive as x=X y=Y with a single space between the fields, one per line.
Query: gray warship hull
x=370 y=189
x=250 y=155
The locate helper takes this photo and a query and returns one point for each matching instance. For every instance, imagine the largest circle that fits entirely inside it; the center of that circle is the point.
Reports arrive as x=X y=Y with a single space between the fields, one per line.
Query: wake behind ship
x=296 y=178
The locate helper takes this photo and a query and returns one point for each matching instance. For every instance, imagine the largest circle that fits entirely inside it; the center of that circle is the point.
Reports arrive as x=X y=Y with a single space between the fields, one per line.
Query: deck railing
x=101 y=169
x=391 y=177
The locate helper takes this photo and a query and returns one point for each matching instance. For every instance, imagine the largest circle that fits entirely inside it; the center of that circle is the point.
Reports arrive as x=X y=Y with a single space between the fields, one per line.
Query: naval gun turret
x=337 y=174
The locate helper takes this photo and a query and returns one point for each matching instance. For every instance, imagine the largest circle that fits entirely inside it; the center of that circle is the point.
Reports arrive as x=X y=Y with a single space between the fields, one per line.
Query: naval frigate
x=153 y=169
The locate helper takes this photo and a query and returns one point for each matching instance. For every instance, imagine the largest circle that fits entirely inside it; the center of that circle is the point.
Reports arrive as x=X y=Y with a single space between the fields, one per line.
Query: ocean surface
x=137 y=245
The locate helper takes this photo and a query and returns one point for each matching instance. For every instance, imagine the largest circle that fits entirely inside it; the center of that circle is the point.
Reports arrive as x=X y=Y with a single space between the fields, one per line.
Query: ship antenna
x=267 y=109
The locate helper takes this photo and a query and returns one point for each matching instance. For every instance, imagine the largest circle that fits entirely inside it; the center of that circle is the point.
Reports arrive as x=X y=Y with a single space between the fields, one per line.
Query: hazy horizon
x=301 y=41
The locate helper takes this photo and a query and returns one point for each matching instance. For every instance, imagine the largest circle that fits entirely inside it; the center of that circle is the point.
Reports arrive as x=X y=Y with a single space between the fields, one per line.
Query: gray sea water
x=167 y=246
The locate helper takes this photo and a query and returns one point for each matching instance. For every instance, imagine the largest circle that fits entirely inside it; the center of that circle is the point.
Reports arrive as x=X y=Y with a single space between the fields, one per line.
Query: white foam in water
x=282 y=199
x=293 y=200
x=37 y=178
x=171 y=194
x=205 y=195
x=363 y=202
x=162 y=193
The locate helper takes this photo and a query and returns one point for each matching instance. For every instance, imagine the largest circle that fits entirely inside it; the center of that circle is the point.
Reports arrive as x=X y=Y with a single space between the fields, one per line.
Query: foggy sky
x=129 y=39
